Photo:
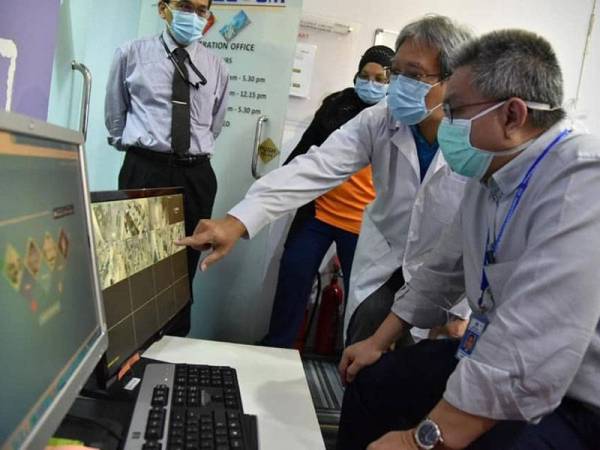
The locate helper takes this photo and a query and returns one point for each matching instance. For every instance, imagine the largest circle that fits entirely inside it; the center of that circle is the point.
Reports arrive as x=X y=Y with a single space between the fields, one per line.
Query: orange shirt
x=343 y=207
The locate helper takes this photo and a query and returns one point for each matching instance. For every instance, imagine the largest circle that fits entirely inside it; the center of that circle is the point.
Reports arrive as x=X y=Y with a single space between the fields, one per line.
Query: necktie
x=180 y=119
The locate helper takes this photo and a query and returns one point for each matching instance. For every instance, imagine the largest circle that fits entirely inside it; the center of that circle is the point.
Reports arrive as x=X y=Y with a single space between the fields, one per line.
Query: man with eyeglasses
x=165 y=106
x=524 y=246
x=416 y=194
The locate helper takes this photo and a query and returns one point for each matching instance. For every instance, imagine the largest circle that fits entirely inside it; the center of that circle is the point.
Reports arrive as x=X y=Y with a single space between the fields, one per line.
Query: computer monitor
x=143 y=274
x=52 y=329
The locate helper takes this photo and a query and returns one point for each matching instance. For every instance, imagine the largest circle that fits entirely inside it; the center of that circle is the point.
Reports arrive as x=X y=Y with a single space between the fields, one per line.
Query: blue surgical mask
x=369 y=91
x=406 y=99
x=462 y=157
x=186 y=27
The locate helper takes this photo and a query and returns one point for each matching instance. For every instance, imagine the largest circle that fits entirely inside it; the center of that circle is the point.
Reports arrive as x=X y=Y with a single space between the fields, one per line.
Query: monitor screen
x=143 y=274
x=52 y=332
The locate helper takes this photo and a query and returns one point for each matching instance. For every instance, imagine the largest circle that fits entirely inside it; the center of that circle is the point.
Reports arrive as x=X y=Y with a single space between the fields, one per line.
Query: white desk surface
x=272 y=383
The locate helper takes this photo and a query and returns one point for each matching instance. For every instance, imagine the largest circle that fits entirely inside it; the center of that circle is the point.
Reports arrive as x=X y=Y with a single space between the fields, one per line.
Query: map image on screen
x=143 y=274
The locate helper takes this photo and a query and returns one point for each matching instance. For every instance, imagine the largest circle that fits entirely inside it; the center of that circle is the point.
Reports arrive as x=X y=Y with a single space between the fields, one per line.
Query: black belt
x=170 y=158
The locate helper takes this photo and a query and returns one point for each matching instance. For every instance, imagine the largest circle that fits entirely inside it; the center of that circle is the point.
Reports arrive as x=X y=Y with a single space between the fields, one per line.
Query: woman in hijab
x=335 y=216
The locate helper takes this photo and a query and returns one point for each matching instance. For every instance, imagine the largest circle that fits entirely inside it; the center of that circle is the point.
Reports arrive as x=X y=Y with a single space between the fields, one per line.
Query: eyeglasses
x=188 y=7
x=380 y=77
x=450 y=111
x=412 y=74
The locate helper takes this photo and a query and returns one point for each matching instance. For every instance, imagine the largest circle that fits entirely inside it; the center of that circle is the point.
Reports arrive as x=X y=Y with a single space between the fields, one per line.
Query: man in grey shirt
x=525 y=245
x=165 y=105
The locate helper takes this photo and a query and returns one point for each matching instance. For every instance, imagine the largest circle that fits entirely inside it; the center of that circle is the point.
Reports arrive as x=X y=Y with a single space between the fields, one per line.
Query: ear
x=515 y=115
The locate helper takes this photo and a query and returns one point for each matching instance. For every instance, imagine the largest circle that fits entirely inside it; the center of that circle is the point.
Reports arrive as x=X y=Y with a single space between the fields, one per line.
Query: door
x=257 y=39
x=89 y=33
x=232 y=294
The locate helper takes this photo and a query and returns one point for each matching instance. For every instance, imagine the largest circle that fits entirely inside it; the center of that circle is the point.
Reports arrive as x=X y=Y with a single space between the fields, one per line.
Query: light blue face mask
x=462 y=157
x=186 y=27
x=406 y=99
x=369 y=91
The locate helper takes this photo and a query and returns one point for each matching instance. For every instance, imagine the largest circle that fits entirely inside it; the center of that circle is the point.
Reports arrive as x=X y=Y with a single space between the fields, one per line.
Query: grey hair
x=516 y=63
x=437 y=32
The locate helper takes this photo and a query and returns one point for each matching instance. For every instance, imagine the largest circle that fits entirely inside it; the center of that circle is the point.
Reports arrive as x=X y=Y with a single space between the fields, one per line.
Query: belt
x=170 y=158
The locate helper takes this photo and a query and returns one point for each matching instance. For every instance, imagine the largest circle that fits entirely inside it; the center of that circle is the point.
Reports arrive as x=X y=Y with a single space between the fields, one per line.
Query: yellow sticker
x=268 y=151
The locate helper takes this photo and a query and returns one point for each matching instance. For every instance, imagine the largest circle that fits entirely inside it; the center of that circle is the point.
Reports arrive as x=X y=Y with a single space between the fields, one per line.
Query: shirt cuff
x=483 y=390
x=418 y=311
x=251 y=215
x=462 y=310
x=116 y=142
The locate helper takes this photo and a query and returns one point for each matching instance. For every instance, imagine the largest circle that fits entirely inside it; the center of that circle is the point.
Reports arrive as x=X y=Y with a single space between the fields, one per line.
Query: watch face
x=428 y=434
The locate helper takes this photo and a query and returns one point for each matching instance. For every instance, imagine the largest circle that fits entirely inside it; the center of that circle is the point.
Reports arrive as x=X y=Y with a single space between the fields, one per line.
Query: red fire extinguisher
x=330 y=312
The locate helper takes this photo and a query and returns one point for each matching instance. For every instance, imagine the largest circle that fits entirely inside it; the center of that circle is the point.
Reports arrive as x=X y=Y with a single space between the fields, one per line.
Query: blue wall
x=90 y=32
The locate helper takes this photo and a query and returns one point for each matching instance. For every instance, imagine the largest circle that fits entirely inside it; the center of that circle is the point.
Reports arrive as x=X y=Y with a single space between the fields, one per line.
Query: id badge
x=477 y=326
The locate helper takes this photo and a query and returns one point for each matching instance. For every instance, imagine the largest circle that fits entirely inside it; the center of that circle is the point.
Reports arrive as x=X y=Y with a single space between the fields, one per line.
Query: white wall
x=563 y=23
x=588 y=98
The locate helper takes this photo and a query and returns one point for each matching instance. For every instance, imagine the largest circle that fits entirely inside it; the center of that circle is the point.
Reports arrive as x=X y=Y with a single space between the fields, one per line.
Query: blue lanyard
x=489 y=256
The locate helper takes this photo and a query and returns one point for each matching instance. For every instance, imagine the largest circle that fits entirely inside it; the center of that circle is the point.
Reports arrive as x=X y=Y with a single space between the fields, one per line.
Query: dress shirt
x=138 y=98
x=543 y=338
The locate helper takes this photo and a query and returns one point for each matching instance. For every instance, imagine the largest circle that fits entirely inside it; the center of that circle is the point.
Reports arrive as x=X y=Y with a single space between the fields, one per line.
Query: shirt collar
x=172 y=45
x=506 y=180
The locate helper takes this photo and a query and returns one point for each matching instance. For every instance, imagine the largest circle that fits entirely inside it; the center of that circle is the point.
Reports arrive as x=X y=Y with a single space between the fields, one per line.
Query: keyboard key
x=153 y=433
x=151 y=445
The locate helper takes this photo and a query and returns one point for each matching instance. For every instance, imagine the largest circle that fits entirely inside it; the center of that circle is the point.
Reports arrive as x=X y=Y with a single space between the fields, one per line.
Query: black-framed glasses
x=413 y=75
x=450 y=111
x=189 y=7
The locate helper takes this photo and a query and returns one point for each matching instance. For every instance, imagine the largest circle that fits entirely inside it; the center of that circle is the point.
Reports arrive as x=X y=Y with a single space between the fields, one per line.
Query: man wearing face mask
x=524 y=246
x=333 y=217
x=398 y=138
x=165 y=106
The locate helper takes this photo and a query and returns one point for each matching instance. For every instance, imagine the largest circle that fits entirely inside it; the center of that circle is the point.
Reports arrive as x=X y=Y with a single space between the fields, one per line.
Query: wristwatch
x=428 y=435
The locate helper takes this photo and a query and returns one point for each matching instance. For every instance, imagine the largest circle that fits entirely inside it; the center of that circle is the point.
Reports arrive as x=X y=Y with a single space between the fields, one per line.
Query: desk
x=272 y=383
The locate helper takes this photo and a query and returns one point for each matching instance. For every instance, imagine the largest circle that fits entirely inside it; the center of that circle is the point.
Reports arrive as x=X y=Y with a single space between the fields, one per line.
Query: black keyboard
x=186 y=407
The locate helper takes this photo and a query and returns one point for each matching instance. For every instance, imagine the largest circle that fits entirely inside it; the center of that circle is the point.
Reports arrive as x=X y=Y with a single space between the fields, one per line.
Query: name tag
x=477 y=326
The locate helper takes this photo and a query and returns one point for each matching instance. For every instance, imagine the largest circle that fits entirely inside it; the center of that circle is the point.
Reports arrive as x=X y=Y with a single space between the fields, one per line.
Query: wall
x=588 y=103
x=564 y=24
x=27 y=39
x=90 y=33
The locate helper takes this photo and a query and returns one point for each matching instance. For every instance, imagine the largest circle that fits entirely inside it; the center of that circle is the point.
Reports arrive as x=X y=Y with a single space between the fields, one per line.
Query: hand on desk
x=217 y=235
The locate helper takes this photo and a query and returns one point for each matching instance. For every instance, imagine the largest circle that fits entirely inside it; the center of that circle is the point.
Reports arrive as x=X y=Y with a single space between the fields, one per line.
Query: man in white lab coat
x=398 y=138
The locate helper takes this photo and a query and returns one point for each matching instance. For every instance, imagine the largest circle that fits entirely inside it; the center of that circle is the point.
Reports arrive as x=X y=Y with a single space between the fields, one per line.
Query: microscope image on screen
x=132 y=235
x=143 y=274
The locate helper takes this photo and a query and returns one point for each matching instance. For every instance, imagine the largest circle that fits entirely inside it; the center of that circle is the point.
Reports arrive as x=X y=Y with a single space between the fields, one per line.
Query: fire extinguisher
x=330 y=312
